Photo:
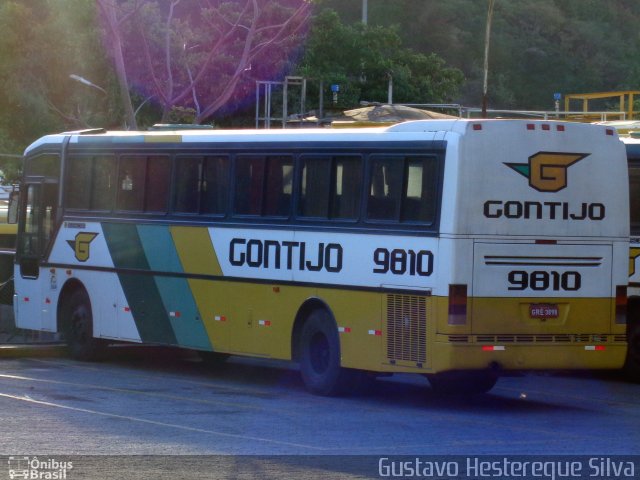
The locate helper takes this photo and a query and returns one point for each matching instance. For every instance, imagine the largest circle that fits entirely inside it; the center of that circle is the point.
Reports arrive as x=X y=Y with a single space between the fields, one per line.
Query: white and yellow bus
x=456 y=249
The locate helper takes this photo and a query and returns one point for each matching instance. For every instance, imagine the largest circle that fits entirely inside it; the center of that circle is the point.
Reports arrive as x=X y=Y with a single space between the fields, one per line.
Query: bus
x=8 y=232
x=455 y=249
x=632 y=365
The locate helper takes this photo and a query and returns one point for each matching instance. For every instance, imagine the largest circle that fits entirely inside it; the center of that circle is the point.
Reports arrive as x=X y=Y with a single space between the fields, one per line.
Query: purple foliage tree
x=196 y=54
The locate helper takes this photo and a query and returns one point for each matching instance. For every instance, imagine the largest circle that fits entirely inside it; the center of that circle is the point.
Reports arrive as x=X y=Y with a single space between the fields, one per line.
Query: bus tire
x=632 y=363
x=78 y=328
x=320 y=356
x=463 y=382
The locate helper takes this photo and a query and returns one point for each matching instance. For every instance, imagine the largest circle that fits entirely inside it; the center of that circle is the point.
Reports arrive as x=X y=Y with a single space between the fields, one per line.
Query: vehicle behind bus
x=632 y=366
x=455 y=249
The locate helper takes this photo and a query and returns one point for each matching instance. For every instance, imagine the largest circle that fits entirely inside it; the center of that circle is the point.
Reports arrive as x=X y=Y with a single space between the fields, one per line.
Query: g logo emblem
x=81 y=245
x=547 y=171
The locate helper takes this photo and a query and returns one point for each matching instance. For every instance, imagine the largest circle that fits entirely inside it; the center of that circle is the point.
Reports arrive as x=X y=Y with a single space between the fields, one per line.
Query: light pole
x=86 y=82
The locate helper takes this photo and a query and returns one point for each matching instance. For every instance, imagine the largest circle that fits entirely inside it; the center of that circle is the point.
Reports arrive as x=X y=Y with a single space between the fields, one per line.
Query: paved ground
x=152 y=401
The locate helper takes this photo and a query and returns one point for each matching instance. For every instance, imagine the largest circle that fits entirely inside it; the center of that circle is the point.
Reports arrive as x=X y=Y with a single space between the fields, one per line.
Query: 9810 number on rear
x=541 y=280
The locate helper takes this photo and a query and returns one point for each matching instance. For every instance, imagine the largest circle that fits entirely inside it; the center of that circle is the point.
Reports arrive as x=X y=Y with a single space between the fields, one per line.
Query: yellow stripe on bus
x=196 y=250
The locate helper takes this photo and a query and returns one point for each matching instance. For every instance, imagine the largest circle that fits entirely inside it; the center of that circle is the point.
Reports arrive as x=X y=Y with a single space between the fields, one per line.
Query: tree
x=195 y=56
x=113 y=21
x=37 y=95
x=362 y=59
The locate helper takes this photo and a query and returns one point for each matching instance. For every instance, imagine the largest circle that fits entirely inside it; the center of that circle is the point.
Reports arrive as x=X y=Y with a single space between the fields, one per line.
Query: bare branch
x=167 y=49
x=148 y=60
x=73 y=120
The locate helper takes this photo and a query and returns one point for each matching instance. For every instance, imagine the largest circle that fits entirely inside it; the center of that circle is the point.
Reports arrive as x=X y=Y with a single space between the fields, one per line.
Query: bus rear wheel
x=463 y=382
x=320 y=356
x=78 y=328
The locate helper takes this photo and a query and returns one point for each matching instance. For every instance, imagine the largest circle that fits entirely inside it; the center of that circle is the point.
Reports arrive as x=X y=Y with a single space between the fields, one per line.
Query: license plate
x=543 y=311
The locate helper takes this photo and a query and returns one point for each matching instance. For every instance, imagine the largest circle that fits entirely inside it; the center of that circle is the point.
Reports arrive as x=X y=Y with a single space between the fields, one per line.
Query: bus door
x=37 y=223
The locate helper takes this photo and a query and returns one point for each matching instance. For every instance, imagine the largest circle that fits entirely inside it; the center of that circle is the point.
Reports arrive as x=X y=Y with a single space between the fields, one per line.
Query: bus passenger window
x=421 y=188
x=385 y=189
x=403 y=189
x=103 y=188
x=215 y=185
x=187 y=184
x=78 y=181
x=157 y=187
x=315 y=187
x=347 y=182
x=277 y=200
x=249 y=185
x=131 y=183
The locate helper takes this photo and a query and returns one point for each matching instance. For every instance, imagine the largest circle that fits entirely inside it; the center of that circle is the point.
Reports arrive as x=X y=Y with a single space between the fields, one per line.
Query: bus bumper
x=505 y=356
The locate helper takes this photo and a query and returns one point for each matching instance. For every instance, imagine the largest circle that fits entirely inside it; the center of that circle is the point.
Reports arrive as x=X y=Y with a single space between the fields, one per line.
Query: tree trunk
x=109 y=9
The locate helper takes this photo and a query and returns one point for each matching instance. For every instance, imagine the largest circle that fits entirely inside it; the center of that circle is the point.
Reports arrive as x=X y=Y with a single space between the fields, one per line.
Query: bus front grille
x=407 y=328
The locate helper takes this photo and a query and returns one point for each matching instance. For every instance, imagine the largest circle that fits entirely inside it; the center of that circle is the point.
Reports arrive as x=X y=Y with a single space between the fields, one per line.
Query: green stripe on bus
x=175 y=292
x=141 y=291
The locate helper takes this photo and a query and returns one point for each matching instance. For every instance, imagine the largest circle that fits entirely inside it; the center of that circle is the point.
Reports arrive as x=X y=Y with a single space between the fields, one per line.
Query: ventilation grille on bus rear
x=407 y=328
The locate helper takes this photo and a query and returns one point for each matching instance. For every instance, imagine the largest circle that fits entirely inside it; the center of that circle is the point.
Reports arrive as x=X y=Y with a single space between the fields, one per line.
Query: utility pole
x=487 y=38
x=365 y=12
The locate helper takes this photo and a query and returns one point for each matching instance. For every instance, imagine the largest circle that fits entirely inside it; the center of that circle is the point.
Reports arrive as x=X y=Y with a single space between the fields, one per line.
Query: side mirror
x=12 y=216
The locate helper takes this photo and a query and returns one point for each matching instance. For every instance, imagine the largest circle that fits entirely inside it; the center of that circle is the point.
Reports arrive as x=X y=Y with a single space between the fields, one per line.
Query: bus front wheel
x=78 y=328
x=320 y=356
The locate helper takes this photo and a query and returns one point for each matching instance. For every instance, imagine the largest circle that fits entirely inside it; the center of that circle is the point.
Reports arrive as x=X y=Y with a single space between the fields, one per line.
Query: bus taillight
x=457 y=304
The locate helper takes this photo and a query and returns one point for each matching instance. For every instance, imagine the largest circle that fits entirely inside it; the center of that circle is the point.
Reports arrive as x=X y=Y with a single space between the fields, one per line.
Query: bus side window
x=385 y=189
x=403 y=189
x=77 y=192
x=249 y=185
x=103 y=188
x=277 y=201
x=187 y=184
x=347 y=182
x=157 y=184
x=315 y=185
x=420 y=195
x=131 y=183
x=215 y=186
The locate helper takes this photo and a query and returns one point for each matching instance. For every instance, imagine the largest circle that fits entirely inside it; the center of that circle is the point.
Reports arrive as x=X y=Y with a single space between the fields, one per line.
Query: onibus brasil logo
x=547 y=171
x=32 y=467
